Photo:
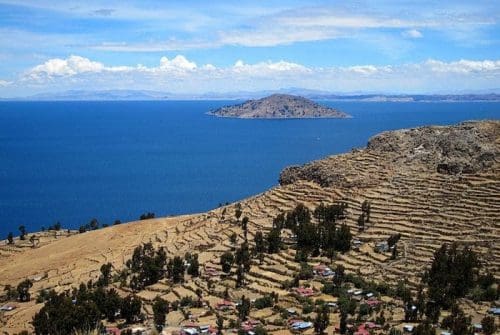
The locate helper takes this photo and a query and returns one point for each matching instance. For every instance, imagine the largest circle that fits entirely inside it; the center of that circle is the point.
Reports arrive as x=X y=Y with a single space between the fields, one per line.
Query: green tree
x=264 y=302
x=194 y=266
x=112 y=305
x=178 y=268
x=488 y=324
x=23 y=290
x=105 y=276
x=274 y=241
x=10 y=238
x=22 y=229
x=160 y=310
x=233 y=238
x=366 y=208
x=220 y=324
x=131 y=309
x=322 y=319
x=147 y=265
x=424 y=328
x=306 y=271
x=226 y=261
x=260 y=245
x=299 y=215
x=243 y=308
x=432 y=311
x=244 y=226
x=10 y=292
x=361 y=222
x=60 y=315
x=260 y=330
x=94 y=224
x=238 y=211
x=242 y=256
x=453 y=272
x=339 y=276
x=240 y=276
x=457 y=321
x=279 y=221
x=343 y=322
x=394 y=253
x=343 y=238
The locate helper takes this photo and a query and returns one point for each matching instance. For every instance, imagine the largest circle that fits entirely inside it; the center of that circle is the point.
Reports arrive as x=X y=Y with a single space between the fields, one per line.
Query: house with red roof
x=304 y=291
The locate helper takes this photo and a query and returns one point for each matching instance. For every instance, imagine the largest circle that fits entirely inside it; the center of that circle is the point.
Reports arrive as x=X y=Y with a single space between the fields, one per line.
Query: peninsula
x=279 y=106
x=353 y=240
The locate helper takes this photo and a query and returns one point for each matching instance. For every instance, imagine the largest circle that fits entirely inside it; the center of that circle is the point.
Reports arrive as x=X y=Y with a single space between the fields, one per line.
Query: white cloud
x=412 y=33
x=71 y=66
x=268 y=68
x=179 y=74
x=464 y=66
x=179 y=62
x=4 y=83
x=363 y=69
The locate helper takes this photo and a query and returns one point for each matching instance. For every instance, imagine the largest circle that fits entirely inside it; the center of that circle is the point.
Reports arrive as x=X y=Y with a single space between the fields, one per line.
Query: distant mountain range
x=138 y=95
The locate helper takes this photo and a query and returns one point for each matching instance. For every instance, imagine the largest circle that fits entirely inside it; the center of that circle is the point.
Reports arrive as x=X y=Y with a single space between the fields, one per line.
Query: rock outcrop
x=469 y=147
x=279 y=106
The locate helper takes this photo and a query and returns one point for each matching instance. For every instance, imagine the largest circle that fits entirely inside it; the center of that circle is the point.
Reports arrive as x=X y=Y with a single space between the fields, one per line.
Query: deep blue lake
x=74 y=161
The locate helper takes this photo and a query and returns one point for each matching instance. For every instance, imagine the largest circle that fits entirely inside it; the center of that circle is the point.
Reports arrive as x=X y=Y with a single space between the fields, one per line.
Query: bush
x=264 y=302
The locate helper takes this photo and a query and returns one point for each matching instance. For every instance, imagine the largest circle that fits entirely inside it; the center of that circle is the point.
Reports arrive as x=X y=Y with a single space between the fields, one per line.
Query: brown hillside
x=431 y=184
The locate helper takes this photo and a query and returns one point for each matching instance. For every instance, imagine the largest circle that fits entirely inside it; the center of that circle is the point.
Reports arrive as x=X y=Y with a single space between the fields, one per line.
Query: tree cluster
x=453 y=272
x=147 y=266
x=83 y=310
x=146 y=216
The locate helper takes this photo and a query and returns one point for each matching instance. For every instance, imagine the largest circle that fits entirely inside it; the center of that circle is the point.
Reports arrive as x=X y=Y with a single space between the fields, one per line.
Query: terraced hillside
x=432 y=185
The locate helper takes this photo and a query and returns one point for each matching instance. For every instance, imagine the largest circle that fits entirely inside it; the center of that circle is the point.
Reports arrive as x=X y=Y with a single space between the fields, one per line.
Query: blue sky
x=199 y=46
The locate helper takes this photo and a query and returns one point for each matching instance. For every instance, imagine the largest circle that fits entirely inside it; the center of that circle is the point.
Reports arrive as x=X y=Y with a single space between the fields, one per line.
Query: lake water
x=74 y=161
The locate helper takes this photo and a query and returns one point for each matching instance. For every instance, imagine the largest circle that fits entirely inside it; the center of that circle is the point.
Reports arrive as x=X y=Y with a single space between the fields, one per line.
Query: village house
x=356 y=244
x=382 y=247
x=211 y=272
x=322 y=270
x=112 y=331
x=249 y=325
x=304 y=291
x=225 y=305
x=7 y=308
x=299 y=325
x=372 y=302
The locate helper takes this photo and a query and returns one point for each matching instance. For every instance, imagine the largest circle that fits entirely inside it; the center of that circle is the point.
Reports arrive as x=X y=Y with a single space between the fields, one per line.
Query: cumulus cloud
x=179 y=74
x=4 y=83
x=179 y=62
x=71 y=66
x=412 y=33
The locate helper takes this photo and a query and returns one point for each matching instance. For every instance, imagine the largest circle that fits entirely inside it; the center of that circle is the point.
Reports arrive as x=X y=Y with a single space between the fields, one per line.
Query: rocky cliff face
x=469 y=147
x=279 y=106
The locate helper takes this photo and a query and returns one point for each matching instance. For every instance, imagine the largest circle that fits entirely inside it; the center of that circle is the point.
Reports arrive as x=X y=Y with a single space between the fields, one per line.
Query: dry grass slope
x=408 y=196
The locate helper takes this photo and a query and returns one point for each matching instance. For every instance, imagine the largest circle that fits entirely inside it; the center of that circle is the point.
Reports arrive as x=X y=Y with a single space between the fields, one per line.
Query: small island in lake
x=279 y=106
